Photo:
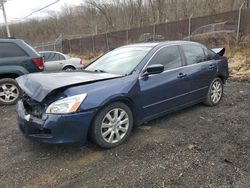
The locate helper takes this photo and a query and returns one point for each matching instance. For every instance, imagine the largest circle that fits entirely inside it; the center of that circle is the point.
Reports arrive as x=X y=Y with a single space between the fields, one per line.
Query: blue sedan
x=124 y=88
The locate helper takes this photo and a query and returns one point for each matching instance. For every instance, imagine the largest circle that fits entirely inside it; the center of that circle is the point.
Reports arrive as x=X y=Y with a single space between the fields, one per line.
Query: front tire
x=10 y=92
x=112 y=125
x=215 y=92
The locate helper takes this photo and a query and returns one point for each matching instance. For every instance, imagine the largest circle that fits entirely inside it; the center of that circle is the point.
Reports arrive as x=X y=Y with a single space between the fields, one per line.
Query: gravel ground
x=196 y=147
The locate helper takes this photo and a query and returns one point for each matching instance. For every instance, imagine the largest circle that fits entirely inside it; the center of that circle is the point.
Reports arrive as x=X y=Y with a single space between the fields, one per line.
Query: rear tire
x=215 y=93
x=112 y=125
x=69 y=68
x=10 y=92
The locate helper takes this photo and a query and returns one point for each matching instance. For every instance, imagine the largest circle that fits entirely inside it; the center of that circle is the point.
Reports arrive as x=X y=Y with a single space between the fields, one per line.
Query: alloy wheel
x=216 y=92
x=8 y=92
x=115 y=125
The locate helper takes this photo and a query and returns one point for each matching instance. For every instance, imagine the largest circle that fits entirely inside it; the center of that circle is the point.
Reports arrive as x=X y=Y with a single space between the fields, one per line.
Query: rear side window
x=53 y=57
x=8 y=49
x=209 y=54
x=194 y=54
x=169 y=57
x=61 y=57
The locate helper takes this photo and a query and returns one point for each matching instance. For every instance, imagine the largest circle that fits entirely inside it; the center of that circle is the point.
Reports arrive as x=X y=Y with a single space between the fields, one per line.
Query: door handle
x=181 y=75
x=212 y=66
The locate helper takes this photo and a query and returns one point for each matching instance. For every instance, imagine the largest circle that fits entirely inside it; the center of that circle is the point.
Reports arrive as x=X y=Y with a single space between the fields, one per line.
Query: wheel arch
x=9 y=75
x=123 y=99
x=68 y=65
x=223 y=79
x=15 y=70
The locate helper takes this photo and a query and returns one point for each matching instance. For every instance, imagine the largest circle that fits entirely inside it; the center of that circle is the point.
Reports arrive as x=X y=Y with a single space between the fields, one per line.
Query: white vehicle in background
x=57 y=61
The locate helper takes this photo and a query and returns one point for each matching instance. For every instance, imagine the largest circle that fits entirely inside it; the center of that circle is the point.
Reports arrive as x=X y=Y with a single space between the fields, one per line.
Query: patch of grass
x=239 y=62
x=88 y=57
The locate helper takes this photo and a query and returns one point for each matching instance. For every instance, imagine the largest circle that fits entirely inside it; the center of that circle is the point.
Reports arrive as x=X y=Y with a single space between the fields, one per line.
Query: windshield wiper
x=99 y=70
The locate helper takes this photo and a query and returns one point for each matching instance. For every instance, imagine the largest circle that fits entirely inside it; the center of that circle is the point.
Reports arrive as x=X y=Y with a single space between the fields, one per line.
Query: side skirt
x=168 y=111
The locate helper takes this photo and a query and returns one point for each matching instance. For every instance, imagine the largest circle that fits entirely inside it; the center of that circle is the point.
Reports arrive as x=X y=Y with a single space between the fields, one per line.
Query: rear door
x=200 y=69
x=53 y=61
x=163 y=92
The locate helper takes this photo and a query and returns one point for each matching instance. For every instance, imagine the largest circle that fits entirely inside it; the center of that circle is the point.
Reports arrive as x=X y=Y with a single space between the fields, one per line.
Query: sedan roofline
x=154 y=44
x=50 y=52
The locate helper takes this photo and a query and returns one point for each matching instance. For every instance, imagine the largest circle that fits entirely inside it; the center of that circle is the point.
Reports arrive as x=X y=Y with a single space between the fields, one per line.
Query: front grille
x=33 y=107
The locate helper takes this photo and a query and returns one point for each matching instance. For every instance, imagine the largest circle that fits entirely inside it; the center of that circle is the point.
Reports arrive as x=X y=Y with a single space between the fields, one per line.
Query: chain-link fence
x=50 y=46
x=228 y=26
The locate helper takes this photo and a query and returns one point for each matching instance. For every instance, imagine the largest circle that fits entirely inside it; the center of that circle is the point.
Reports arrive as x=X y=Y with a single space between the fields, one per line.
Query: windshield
x=120 y=61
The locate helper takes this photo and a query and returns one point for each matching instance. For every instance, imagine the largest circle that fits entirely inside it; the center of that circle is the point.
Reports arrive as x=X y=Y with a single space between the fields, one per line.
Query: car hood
x=39 y=85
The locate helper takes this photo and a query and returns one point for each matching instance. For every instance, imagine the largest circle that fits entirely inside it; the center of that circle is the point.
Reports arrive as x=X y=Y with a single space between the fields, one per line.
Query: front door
x=163 y=92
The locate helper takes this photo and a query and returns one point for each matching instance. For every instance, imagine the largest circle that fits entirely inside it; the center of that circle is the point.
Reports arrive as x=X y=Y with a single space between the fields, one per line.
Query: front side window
x=169 y=57
x=8 y=49
x=120 y=61
x=194 y=54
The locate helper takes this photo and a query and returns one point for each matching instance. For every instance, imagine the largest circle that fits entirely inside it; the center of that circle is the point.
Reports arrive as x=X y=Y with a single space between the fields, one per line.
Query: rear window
x=231 y=27
x=8 y=49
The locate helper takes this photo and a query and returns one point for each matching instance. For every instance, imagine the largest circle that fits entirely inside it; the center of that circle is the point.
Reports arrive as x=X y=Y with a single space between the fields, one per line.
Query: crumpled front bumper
x=55 y=129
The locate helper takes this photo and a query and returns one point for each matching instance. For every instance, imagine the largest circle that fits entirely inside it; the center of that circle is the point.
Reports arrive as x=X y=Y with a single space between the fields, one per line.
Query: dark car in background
x=16 y=58
x=149 y=37
x=217 y=31
x=126 y=87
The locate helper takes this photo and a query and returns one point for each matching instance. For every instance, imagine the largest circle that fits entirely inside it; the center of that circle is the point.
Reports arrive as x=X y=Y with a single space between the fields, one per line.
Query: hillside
x=95 y=16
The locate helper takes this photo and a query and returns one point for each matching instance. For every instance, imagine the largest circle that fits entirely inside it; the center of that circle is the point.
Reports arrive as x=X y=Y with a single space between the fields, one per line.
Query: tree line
x=99 y=16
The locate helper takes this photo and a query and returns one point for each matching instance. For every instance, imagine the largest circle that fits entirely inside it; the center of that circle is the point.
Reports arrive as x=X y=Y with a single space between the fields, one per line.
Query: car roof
x=146 y=44
x=49 y=52
x=220 y=23
x=155 y=44
x=3 y=39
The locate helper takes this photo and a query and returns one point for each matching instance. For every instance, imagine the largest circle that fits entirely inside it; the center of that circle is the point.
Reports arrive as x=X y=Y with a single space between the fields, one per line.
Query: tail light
x=38 y=62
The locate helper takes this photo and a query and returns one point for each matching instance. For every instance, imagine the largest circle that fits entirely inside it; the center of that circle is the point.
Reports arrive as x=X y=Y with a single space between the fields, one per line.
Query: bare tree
x=98 y=16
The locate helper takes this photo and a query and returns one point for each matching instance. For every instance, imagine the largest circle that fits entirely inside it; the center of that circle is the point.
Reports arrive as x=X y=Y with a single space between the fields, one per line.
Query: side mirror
x=154 y=69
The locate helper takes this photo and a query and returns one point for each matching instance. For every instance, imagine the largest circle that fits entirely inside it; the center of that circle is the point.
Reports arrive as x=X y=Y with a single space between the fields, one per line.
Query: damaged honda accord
x=126 y=87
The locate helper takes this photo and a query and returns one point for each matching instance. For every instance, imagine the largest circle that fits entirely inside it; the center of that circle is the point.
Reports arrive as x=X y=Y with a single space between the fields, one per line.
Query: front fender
x=117 y=97
x=101 y=93
x=126 y=100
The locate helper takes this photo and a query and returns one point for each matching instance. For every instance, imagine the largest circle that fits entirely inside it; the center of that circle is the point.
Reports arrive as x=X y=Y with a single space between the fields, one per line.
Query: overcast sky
x=21 y=8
